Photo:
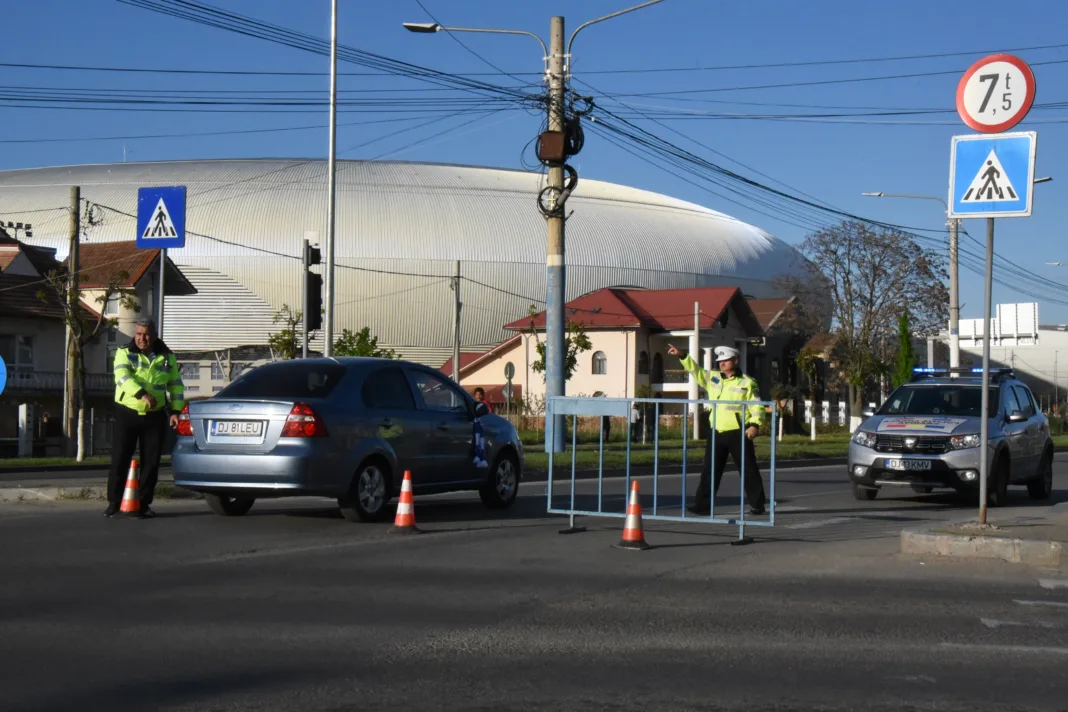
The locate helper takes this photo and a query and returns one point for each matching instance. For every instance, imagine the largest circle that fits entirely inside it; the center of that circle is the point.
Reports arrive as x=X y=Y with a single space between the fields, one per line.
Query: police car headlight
x=864 y=439
x=963 y=442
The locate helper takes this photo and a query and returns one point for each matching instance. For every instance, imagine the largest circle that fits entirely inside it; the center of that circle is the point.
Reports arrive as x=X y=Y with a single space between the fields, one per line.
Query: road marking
x=995 y=623
x=1005 y=648
x=821 y=523
x=1051 y=584
x=1048 y=604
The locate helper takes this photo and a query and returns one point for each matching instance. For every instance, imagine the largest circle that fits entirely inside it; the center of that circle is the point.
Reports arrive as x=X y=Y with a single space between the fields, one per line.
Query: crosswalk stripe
x=995 y=623
x=1051 y=584
x=821 y=523
x=1048 y=604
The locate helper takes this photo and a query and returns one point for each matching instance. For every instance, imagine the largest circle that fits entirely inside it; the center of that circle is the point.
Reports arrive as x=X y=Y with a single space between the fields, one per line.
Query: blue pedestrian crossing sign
x=161 y=217
x=992 y=176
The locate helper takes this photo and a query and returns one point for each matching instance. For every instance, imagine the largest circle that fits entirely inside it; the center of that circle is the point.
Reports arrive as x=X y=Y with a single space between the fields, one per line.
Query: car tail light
x=185 y=425
x=303 y=422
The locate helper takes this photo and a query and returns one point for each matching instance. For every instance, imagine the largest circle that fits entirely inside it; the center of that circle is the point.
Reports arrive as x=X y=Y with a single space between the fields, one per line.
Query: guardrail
x=622 y=407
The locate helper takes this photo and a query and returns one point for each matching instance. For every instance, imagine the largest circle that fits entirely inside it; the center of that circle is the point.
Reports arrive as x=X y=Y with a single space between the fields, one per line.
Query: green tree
x=286 y=343
x=576 y=342
x=361 y=343
x=906 y=354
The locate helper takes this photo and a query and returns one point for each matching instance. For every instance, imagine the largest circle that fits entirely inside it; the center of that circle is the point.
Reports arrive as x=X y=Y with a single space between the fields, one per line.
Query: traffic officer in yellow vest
x=148 y=396
x=729 y=384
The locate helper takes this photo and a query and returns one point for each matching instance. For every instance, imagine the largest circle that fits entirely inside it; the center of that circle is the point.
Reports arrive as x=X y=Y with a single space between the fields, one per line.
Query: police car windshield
x=939 y=399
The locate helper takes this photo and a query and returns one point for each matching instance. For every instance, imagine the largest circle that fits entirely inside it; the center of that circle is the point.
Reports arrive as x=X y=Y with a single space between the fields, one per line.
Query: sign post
x=992 y=176
x=508 y=390
x=161 y=225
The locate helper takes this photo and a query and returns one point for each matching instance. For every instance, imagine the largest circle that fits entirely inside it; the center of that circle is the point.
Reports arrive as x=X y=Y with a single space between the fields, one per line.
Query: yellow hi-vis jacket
x=155 y=373
x=740 y=387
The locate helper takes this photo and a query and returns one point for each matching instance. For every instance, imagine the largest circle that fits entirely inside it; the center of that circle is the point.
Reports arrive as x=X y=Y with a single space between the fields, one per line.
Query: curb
x=1030 y=552
x=164 y=490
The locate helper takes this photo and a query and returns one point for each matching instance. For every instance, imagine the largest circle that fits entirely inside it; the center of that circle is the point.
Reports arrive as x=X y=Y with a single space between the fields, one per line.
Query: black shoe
x=146 y=512
x=111 y=511
x=757 y=511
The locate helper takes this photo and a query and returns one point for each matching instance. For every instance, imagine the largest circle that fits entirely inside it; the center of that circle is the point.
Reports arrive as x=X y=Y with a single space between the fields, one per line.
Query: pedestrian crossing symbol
x=160 y=225
x=161 y=217
x=989 y=185
x=992 y=175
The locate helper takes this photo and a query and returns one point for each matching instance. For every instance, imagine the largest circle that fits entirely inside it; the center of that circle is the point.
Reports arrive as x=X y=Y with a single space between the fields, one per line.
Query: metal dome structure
x=401 y=228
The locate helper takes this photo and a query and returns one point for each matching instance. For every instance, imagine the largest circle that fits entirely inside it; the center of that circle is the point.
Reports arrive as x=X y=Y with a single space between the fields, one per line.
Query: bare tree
x=873 y=276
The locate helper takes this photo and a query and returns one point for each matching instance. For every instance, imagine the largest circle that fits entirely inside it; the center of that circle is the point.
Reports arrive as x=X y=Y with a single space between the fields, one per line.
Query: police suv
x=926 y=436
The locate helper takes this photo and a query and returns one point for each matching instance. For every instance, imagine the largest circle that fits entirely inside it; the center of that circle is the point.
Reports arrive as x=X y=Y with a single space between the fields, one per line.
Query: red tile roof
x=28 y=297
x=6 y=258
x=768 y=311
x=470 y=361
x=100 y=262
x=658 y=309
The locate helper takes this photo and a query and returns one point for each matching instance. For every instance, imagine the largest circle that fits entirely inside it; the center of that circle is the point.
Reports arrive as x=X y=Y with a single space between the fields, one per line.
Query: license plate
x=237 y=428
x=908 y=465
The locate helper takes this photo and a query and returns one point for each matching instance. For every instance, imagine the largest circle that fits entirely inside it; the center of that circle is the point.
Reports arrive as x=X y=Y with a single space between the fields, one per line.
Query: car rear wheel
x=998 y=493
x=229 y=506
x=864 y=494
x=369 y=495
x=1041 y=487
x=501 y=489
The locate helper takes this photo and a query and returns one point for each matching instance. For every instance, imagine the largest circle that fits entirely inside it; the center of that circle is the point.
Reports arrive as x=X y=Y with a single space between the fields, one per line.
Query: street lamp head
x=422 y=27
x=1047 y=179
x=873 y=195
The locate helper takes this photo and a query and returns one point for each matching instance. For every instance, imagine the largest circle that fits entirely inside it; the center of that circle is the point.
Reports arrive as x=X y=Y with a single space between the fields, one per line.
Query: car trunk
x=238 y=424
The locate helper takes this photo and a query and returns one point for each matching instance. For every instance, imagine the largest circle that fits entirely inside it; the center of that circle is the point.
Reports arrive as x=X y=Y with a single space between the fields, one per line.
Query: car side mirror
x=1016 y=416
x=867 y=412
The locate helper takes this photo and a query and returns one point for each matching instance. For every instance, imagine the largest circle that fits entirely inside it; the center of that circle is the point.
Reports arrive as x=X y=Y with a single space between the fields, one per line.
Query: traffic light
x=313 y=289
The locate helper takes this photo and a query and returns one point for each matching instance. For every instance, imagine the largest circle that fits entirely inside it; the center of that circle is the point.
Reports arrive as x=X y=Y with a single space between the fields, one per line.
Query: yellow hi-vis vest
x=740 y=387
x=159 y=376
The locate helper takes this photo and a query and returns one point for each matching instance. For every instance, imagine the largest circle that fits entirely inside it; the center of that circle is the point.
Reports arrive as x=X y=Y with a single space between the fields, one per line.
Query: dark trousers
x=132 y=430
x=729 y=443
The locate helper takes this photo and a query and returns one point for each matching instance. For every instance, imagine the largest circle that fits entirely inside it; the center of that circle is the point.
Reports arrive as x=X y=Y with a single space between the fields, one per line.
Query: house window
x=217 y=372
x=17 y=352
x=111 y=306
x=600 y=363
x=658 y=369
x=190 y=371
x=643 y=364
x=113 y=335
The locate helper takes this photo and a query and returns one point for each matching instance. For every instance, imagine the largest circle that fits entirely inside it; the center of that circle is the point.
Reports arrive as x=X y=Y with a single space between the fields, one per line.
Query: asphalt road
x=293 y=608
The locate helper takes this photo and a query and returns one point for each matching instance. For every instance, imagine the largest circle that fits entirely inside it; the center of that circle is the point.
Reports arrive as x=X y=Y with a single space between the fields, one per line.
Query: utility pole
x=69 y=380
x=555 y=281
x=456 y=325
x=1056 y=384
x=328 y=340
x=954 y=295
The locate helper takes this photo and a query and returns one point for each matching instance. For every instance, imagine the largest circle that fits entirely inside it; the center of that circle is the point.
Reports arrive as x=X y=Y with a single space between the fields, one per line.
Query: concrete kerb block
x=1030 y=552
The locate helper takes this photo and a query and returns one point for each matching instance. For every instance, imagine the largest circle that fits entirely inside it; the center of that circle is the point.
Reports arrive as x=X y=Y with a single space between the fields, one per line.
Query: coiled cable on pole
x=551 y=199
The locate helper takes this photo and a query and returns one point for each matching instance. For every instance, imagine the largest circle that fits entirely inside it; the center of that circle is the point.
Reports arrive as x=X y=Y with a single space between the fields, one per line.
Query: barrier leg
x=572 y=529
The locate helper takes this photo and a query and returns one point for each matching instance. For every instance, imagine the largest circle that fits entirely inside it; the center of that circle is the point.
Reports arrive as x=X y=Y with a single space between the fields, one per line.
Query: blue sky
x=831 y=160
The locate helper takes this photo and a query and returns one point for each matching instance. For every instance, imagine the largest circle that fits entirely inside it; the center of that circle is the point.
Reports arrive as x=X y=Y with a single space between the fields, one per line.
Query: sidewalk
x=1039 y=539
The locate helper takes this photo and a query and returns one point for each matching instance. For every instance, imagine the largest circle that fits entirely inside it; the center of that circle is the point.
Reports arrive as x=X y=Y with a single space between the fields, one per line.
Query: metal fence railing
x=600 y=504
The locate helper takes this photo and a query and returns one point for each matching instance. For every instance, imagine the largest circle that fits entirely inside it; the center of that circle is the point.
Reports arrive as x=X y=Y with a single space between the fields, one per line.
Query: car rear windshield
x=287 y=381
x=939 y=399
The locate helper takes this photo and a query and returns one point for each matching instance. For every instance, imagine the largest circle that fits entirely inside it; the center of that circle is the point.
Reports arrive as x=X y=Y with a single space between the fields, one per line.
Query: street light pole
x=331 y=285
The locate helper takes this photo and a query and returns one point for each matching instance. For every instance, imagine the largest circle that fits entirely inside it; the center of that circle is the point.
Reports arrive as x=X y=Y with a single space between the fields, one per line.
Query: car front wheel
x=229 y=506
x=501 y=489
x=998 y=488
x=1041 y=487
x=864 y=494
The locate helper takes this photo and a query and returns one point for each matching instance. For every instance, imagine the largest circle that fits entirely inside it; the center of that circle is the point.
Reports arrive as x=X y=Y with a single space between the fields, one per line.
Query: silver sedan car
x=344 y=428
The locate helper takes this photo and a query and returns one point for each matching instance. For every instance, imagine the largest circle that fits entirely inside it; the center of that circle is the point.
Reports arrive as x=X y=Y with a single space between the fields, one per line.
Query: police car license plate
x=237 y=428
x=908 y=465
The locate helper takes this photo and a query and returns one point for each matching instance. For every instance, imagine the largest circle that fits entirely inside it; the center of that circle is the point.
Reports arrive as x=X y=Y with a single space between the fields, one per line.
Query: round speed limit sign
x=996 y=93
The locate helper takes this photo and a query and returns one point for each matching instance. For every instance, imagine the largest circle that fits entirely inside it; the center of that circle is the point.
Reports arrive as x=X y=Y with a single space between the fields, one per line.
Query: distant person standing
x=482 y=407
x=149 y=394
x=728 y=384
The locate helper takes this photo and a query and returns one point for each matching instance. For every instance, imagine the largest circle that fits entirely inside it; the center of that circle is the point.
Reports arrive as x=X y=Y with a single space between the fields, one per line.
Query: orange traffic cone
x=404 y=522
x=131 y=499
x=633 y=536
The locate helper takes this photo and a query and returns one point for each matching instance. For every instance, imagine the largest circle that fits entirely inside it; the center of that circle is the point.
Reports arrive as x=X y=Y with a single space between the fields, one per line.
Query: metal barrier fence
x=622 y=407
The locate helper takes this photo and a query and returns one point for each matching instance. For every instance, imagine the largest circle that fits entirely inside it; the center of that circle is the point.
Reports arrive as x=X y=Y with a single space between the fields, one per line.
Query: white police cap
x=725 y=353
